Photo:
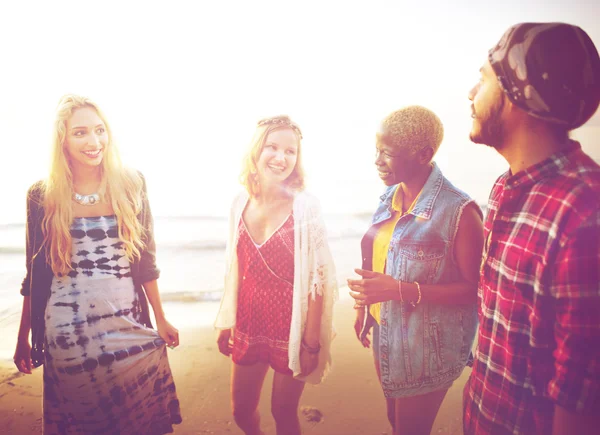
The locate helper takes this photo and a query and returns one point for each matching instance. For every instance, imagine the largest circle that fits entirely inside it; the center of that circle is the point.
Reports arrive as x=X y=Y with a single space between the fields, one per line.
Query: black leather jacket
x=39 y=276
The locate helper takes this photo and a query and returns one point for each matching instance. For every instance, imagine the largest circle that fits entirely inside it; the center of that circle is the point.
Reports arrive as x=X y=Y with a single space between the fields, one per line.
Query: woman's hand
x=308 y=362
x=373 y=288
x=363 y=327
x=168 y=333
x=22 y=357
x=359 y=322
x=225 y=342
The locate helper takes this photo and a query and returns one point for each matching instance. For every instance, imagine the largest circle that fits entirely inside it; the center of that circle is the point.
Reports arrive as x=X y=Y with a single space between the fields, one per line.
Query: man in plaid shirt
x=537 y=363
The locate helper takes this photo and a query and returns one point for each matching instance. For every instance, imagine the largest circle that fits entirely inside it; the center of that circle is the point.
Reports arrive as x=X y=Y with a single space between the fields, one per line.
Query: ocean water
x=190 y=254
x=191 y=250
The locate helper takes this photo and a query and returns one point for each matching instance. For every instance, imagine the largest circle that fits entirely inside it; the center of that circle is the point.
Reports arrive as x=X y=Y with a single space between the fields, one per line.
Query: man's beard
x=491 y=129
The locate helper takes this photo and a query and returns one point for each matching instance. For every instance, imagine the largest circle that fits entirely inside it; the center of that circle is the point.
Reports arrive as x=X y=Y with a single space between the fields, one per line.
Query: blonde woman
x=419 y=275
x=90 y=267
x=280 y=284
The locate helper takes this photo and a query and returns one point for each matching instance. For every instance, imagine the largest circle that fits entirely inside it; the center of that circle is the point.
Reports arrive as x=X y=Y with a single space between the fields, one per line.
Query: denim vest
x=422 y=349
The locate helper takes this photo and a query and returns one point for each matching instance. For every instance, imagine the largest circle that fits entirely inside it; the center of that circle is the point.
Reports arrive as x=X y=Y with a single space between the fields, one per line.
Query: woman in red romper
x=265 y=264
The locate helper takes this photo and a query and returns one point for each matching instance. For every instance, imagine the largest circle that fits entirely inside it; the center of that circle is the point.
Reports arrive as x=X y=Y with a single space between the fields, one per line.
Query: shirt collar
x=543 y=169
x=426 y=200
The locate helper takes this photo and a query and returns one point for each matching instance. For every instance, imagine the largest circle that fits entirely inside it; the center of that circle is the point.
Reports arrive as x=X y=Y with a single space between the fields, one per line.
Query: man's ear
x=509 y=107
x=512 y=113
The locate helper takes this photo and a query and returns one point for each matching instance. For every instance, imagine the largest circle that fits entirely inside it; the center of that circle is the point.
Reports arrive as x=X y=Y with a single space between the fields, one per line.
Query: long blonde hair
x=249 y=176
x=119 y=186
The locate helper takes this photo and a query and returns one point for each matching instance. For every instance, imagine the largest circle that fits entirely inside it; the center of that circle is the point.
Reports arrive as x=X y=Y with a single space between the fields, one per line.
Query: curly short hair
x=413 y=128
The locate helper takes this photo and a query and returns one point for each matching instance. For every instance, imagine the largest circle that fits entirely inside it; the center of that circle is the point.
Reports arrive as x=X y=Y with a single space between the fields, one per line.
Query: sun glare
x=183 y=99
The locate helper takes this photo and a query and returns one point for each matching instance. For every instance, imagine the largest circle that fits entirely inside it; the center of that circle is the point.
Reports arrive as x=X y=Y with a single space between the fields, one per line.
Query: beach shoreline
x=350 y=399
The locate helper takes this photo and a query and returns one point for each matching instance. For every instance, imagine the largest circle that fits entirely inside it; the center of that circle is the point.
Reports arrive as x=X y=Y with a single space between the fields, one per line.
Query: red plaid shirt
x=539 y=299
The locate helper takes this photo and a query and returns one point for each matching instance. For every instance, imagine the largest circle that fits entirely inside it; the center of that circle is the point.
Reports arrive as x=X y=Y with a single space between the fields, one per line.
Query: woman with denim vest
x=418 y=286
x=90 y=266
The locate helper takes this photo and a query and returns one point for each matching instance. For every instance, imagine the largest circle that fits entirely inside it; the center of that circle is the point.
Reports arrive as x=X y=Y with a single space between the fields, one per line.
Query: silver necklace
x=91 y=199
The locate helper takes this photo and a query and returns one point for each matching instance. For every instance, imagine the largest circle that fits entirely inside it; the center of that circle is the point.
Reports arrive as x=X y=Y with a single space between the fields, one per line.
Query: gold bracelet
x=414 y=304
x=311 y=350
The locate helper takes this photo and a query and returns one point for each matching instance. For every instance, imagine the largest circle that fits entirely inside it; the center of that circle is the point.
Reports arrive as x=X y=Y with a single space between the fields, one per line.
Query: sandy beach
x=350 y=399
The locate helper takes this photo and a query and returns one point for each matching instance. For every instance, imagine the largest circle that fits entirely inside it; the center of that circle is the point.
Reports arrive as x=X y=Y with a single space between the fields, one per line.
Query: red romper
x=264 y=307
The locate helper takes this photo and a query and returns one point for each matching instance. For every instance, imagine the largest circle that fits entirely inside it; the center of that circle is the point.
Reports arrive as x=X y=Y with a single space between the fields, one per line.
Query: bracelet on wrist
x=311 y=350
x=415 y=303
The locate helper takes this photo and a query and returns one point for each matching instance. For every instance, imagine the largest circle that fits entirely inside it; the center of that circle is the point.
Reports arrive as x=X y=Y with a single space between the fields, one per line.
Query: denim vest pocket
x=452 y=329
x=426 y=349
x=420 y=260
x=436 y=361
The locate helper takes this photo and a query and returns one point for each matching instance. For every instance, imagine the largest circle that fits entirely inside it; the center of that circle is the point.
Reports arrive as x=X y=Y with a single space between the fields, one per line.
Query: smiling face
x=487 y=109
x=278 y=156
x=86 y=138
x=395 y=164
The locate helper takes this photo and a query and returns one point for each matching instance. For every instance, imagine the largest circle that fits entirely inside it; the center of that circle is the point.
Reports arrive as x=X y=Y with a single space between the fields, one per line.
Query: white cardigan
x=314 y=274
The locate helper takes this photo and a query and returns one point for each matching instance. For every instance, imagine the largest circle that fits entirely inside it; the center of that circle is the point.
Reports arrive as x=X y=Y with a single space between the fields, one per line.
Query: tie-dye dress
x=105 y=373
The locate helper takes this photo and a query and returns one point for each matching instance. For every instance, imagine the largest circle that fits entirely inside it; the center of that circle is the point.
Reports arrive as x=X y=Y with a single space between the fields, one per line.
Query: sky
x=183 y=84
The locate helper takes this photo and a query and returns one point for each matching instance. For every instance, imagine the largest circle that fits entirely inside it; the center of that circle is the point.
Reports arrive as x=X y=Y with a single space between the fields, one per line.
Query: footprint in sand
x=312 y=414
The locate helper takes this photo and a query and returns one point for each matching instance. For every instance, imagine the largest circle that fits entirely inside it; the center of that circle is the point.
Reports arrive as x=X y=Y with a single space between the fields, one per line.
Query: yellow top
x=381 y=242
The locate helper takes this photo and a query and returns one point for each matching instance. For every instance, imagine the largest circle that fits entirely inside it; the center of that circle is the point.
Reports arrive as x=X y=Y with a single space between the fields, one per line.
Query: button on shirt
x=381 y=242
x=539 y=299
